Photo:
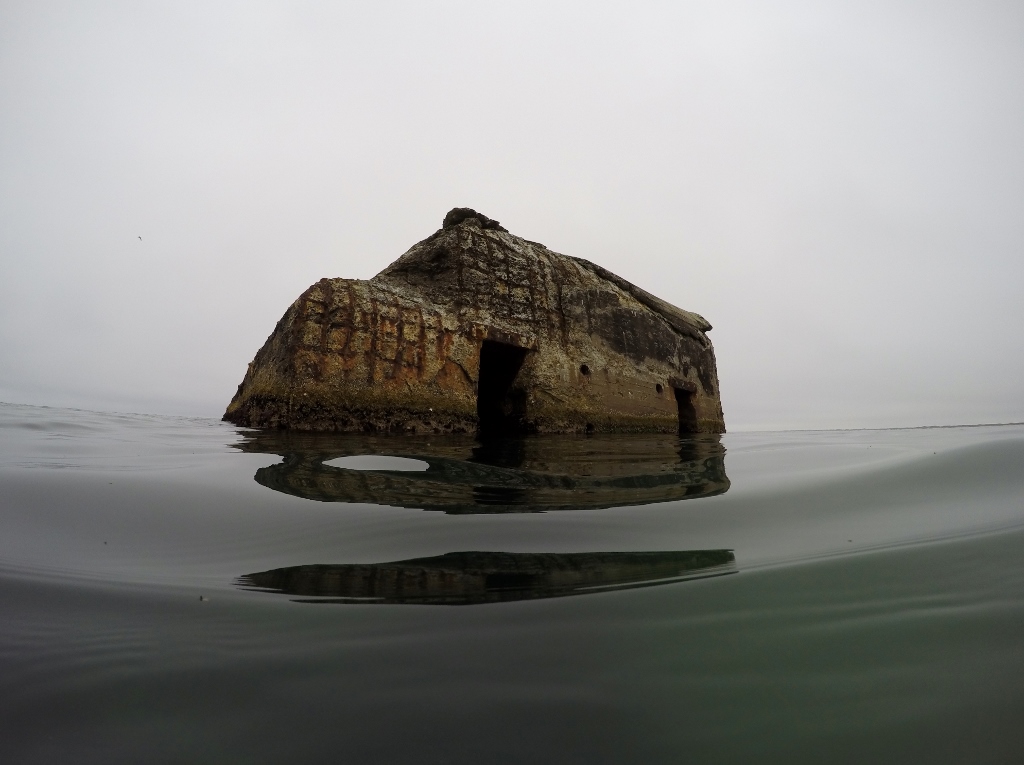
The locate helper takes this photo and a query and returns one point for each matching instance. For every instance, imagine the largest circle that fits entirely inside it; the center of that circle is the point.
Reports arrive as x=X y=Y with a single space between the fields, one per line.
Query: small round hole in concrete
x=660 y=388
x=376 y=462
x=584 y=369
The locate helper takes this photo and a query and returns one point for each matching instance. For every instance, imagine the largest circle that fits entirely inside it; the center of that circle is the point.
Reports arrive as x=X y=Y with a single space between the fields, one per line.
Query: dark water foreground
x=177 y=590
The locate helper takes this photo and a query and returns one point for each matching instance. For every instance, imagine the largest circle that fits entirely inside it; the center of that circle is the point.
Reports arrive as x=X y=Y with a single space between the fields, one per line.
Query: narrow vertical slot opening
x=687 y=412
x=497 y=406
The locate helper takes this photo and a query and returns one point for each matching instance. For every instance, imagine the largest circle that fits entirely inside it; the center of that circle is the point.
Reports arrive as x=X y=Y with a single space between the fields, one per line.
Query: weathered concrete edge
x=681 y=320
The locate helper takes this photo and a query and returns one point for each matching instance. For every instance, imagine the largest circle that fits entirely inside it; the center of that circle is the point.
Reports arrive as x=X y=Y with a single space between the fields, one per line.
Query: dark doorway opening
x=499 y=408
x=687 y=412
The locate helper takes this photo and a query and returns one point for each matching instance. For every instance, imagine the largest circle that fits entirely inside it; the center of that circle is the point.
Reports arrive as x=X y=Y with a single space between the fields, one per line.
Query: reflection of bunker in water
x=532 y=474
x=468 y=578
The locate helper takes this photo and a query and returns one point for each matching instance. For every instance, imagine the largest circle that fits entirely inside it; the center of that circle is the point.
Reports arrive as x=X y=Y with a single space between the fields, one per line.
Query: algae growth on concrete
x=476 y=329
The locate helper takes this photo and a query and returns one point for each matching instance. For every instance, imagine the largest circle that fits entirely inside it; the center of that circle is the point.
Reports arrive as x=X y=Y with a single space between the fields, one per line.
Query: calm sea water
x=179 y=590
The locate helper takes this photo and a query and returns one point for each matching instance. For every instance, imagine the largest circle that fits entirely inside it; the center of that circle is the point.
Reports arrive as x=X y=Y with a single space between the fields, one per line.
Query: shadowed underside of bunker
x=477 y=329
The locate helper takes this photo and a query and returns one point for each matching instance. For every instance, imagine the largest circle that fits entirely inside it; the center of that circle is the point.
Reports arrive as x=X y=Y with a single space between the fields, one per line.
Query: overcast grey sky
x=837 y=187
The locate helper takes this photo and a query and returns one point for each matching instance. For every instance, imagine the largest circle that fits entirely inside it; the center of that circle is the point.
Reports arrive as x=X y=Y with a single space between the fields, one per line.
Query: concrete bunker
x=474 y=329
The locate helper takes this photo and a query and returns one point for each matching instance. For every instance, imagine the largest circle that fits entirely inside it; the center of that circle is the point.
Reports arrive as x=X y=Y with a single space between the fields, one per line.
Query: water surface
x=179 y=590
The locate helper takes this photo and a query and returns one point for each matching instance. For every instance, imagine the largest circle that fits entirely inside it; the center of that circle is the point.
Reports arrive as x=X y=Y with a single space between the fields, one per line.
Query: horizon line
x=769 y=430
